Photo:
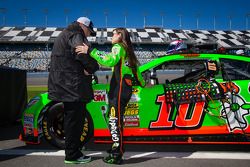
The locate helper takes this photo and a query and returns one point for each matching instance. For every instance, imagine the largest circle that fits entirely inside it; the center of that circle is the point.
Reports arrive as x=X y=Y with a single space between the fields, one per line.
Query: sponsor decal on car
x=183 y=120
x=132 y=109
x=28 y=119
x=100 y=95
x=235 y=108
x=131 y=124
x=135 y=95
x=131 y=121
x=28 y=124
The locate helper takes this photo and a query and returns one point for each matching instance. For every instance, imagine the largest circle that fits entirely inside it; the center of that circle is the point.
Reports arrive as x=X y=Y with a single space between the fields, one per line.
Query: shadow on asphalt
x=11 y=132
x=9 y=157
x=137 y=160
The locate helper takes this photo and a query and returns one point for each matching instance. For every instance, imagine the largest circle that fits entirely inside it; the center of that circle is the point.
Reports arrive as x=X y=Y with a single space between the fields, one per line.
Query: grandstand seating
x=38 y=60
x=30 y=47
x=147 y=35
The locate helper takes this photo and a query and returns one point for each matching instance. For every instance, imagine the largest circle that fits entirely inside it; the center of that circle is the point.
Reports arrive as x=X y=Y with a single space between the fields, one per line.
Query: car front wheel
x=53 y=128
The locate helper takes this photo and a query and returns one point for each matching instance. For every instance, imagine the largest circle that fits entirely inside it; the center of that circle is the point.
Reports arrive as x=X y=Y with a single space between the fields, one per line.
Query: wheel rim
x=53 y=126
x=57 y=125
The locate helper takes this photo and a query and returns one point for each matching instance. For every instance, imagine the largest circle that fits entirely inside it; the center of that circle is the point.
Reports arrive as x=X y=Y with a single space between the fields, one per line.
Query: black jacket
x=67 y=81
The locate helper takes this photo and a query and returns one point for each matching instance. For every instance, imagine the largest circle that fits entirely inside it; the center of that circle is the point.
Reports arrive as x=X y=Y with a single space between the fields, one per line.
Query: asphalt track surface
x=15 y=153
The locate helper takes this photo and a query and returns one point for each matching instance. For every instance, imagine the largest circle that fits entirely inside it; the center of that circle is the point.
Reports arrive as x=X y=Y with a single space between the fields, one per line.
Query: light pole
x=144 y=18
x=106 y=18
x=247 y=17
x=125 y=18
x=180 y=21
x=66 y=12
x=197 y=20
x=162 y=19
x=230 y=22
x=25 y=12
x=214 y=22
x=3 y=12
x=45 y=11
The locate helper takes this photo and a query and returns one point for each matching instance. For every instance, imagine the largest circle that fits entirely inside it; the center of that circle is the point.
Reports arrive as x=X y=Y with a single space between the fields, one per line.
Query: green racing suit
x=120 y=90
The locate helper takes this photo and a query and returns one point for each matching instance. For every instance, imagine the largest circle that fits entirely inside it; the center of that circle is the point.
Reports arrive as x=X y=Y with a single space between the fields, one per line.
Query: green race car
x=183 y=102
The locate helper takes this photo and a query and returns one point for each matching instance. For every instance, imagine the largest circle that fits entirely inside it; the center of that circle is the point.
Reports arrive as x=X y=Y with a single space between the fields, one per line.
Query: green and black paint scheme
x=183 y=103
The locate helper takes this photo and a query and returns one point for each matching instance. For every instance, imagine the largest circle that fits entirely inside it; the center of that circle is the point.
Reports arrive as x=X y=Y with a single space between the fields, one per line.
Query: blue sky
x=13 y=12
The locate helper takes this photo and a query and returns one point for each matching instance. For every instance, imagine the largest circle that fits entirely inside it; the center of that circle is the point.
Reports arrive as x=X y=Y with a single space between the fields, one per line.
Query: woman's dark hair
x=127 y=44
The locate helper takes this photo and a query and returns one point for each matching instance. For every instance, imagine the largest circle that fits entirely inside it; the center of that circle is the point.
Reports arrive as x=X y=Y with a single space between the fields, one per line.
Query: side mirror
x=153 y=78
x=146 y=76
x=150 y=77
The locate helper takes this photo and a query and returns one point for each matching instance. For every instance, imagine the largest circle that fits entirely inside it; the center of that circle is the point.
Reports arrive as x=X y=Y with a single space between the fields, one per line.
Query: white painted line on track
x=93 y=154
x=219 y=155
x=129 y=155
x=42 y=152
x=142 y=155
x=32 y=152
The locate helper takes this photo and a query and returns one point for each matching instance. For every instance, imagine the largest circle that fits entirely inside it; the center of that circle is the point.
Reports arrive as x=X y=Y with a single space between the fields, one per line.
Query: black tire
x=53 y=129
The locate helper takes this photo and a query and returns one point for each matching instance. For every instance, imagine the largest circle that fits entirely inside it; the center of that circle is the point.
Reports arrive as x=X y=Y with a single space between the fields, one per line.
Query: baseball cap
x=88 y=23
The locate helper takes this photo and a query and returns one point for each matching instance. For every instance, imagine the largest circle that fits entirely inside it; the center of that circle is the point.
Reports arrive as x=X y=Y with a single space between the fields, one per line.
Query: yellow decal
x=131 y=112
x=112 y=112
x=132 y=105
x=135 y=91
x=46 y=131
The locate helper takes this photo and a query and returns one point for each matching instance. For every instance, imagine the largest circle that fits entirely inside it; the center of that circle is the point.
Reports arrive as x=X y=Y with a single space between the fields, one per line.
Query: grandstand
x=29 y=48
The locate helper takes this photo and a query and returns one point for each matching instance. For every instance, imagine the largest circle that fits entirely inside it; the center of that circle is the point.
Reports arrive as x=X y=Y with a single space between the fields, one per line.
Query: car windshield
x=235 y=69
x=180 y=71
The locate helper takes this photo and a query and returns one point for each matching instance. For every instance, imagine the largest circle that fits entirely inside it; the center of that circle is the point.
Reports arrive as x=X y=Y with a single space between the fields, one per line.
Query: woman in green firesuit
x=125 y=69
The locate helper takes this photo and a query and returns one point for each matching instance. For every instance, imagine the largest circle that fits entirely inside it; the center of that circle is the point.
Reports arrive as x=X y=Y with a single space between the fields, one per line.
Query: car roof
x=192 y=56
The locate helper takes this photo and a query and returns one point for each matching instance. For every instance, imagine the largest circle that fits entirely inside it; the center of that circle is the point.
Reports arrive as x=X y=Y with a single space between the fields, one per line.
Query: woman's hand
x=82 y=49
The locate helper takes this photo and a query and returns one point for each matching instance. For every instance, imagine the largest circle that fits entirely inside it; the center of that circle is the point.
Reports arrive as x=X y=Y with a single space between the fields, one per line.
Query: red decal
x=163 y=117
x=183 y=121
x=186 y=118
x=99 y=97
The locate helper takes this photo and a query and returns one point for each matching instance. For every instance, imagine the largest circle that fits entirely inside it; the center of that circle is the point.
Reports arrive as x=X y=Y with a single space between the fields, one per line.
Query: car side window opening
x=235 y=69
x=178 y=72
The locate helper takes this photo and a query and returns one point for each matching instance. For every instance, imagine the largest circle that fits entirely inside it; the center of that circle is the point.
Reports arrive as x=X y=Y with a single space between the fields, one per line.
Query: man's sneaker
x=81 y=160
x=113 y=159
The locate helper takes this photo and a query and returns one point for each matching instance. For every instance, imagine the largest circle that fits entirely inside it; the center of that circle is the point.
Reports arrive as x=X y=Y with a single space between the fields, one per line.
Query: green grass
x=35 y=90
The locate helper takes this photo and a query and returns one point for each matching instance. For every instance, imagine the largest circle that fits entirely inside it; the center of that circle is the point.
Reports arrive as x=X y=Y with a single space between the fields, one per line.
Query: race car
x=183 y=103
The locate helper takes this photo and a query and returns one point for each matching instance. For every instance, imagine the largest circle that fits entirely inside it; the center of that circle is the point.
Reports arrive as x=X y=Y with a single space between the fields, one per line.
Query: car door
x=140 y=109
x=155 y=115
x=178 y=113
x=174 y=103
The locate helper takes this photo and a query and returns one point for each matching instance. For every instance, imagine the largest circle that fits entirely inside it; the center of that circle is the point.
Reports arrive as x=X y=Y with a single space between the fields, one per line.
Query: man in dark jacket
x=70 y=82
